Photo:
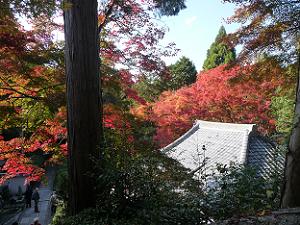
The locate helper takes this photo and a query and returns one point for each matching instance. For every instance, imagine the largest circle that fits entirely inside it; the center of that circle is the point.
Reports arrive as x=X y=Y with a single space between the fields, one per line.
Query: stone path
x=27 y=216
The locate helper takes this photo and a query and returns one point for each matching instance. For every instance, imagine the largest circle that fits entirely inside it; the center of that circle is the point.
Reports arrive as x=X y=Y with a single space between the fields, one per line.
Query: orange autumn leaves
x=235 y=95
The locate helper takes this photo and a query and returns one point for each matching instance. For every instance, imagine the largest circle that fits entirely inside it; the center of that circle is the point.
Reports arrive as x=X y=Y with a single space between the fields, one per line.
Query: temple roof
x=222 y=143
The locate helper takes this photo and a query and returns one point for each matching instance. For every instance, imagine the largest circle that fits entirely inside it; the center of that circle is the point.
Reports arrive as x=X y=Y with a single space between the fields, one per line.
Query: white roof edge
x=181 y=138
x=248 y=128
x=226 y=126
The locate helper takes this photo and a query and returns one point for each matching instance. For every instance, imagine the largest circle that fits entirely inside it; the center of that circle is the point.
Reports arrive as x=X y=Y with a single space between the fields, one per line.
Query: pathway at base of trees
x=27 y=216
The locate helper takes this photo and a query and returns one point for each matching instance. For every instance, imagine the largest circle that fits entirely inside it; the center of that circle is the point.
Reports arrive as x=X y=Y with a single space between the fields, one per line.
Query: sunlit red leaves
x=234 y=95
x=37 y=71
x=9 y=148
x=16 y=163
x=20 y=165
x=50 y=138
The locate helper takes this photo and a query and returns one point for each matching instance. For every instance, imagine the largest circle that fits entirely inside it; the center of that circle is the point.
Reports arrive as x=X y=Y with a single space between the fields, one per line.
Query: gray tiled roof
x=264 y=155
x=224 y=143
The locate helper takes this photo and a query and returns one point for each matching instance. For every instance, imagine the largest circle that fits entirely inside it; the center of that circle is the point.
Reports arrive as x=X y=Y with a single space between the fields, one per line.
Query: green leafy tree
x=282 y=107
x=219 y=52
x=183 y=72
x=150 y=89
x=177 y=75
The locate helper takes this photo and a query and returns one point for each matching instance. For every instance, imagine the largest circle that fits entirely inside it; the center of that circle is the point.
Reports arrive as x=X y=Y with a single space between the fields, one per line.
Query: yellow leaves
x=141 y=111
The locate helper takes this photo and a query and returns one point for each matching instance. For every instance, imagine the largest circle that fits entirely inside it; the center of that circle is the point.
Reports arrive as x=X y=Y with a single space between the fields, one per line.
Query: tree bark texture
x=291 y=187
x=83 y=99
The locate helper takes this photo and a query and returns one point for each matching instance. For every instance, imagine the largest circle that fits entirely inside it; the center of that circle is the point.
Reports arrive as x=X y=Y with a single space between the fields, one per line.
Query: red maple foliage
x=30 y=86
x=235 y=95
x=48 y=140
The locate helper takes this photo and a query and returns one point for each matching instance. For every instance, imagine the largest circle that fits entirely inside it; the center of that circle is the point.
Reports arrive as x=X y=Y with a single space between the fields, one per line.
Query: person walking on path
x=28 y=197
x=53 y=202
x=36 y=198
x=36 y=221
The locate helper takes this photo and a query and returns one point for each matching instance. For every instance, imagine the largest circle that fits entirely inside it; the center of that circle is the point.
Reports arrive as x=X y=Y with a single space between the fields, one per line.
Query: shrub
x=142 y=188
x=239 y=191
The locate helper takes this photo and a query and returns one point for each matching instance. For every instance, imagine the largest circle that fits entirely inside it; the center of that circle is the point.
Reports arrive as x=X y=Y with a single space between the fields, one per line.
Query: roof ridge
x=224 y=123
x=226 y=129
x=226 y=126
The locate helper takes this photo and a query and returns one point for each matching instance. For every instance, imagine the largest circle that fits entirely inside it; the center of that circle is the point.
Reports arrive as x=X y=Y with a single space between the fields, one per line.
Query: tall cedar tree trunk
x=83 y=99
x=291 y=189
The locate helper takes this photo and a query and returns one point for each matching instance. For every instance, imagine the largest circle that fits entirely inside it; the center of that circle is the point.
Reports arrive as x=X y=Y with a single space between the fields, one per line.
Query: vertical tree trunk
x=291 y=188
x=83 y=99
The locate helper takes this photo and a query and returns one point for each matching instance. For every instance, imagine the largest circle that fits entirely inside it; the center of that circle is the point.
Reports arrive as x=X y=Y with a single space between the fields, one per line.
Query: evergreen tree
x=219 y=53
x=150 y=89
x=183 y=72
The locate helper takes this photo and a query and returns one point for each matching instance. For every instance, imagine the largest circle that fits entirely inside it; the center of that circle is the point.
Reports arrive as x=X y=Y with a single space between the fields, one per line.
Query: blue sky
x=196 y=27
